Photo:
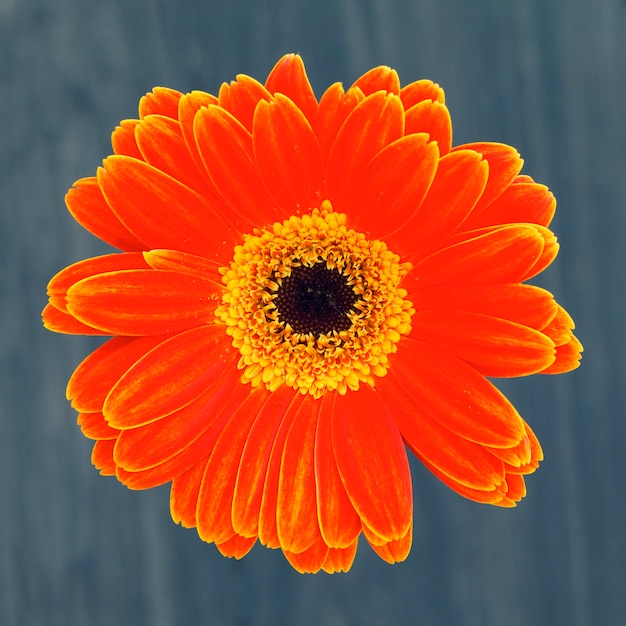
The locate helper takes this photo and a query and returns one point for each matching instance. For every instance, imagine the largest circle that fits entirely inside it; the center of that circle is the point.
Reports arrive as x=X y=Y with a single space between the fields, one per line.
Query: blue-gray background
x=547 y=76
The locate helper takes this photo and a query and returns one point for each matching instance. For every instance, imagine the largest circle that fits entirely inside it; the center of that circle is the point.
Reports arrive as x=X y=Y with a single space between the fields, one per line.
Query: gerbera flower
x=305 y=288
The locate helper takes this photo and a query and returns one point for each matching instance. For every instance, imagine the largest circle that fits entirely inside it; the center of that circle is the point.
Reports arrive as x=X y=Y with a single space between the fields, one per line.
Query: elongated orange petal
x=93 y=379
x=339 y=523
x=94 y=426
x=524 y=304
x=381 y=78
x=143 y=302
x=458 y=183
x=466 y=462
x=215 y=500
x=144 y=447
x=184 y=495
x=568 y=357
x=504 y=165
x=521 y=202
x=502 y=255
x=335 y=106
x=421 y=90
x=393 y=184
x=374 y=123
x=188 y=106
x=168 y=377
x=432 y=118
x=173 y=260
x=236 y=547
x=455 y=394
x=372 y=462
x=296 y=508
x=160 y=101
x=393 y=551
x=495 y=347
x=268 y=533
x=340 y=559
x=255 y=457
x=289 y=77
x=311 y=560
x=123 y=139
x=165 y=212
x=89 y=208
x=63 y=280
x=241 y=97
x=548 y=253
x=102 y=457
x=197 y=450
x=60 y=322
x=288 y=156
x=226 y=147
x=160 y=140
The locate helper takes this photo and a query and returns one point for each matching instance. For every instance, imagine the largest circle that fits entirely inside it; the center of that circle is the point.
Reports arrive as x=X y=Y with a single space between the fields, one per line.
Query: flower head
x=305 y=288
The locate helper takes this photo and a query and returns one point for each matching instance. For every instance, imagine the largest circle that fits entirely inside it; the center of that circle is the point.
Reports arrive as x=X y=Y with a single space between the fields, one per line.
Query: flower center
x=315 y=300
x=314 y=305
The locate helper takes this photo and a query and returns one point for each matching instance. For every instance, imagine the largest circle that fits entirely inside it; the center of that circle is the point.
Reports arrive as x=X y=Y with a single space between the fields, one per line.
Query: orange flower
x=305 y=288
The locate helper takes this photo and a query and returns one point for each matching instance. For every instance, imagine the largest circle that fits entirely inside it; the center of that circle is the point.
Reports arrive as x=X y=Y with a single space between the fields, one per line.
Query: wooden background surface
x=548 y=76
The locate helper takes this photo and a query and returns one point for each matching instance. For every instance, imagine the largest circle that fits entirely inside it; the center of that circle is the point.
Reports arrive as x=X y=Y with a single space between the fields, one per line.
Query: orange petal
x=89 y=208
x=94 y=426
x=288 y=156
x=493 y=346
x=373 y=124
x=340 y=559
x=567 y=357
x=175 y=261
x=456 y=395
x=523 y=304
x=521 y=202
x=226 y=150
x=394 y=551
x=255 y=458
x=143 y=302
x=168 y=377
x=236 y=546
x=494 y=496
x=296 y=507
x=548 y=254
x=502 y=255
x=160 y=101
x=536 y=455
x=163 y=211
x=123 y=139
x=70 y=275
x=215 y=501
x=504 y=165
x=60 y=322
x=93 y=379
x=162 y=145
x=188 y=106
x=197 y=450
x=184 y=495
x=144 y=447
x=393 y=184
x=339 y=523
x=432 y=118
x=335 y=106
x=560 y=326
x=419 y=91
x=380 y=78
x=372 y=462
x=311 y=560
x=457 y=185
x=289 y=77
x=268 y=533
x=518 y=456
x=102 y=457
x=465 y=462
x=241 y=97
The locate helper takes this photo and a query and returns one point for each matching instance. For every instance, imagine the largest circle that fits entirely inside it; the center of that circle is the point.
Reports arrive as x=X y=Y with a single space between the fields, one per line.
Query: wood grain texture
x=547 y=77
